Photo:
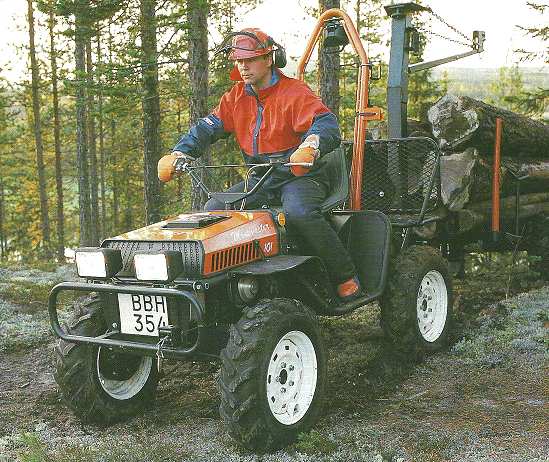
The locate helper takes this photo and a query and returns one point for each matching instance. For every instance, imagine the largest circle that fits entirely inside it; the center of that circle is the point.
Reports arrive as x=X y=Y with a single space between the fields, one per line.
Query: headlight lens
x=91 y=264
x=98 y=263
x=151 y=267
x=163 y=266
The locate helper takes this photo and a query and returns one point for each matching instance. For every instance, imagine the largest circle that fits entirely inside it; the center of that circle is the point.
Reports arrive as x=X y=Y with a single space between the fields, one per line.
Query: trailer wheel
x=100 y=385
x=416 y=308
x=273 y=374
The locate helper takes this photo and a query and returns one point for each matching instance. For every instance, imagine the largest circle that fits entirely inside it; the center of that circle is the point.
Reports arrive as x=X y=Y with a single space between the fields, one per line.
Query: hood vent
x=233 y=257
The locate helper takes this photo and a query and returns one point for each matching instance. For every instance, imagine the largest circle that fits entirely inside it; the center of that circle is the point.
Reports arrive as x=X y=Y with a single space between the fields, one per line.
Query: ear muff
x=279 y=53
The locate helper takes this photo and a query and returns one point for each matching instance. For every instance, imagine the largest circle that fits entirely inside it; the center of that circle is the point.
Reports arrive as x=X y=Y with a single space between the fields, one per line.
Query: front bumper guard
x=131 y=346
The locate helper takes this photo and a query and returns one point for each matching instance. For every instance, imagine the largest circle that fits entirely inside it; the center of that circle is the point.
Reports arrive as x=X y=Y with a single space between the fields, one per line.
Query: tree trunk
x=81 y=31
x=197 y=12
x=44 y=219
x=179 y=130
x=460 y=122
x=57 y=140
x=115 y=183
x=102 y=230
x=2 y=218
x=151 y=111
x=92 y=144
x=328 y=67
x=128 y=212
x=111 y=161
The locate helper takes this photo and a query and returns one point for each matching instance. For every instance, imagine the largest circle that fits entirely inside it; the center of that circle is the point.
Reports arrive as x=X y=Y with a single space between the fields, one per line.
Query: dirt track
x=485 y=400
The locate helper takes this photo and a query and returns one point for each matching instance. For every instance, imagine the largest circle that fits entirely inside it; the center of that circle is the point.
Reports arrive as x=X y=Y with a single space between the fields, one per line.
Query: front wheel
x=273 y=374
x=416 y=308
x=102 y=385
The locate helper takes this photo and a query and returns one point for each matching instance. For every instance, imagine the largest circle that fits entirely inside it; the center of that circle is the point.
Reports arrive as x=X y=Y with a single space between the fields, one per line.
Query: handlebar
x=230 y=198
x=189 y=166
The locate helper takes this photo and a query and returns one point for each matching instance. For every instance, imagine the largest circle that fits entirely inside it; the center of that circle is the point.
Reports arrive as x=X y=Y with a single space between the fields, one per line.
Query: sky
x=288 y=22
x=498 y=18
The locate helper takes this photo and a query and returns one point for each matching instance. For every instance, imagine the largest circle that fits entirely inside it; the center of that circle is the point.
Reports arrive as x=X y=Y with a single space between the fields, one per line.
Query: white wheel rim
x=432 y=306
x=291 y=377
x=125 y=389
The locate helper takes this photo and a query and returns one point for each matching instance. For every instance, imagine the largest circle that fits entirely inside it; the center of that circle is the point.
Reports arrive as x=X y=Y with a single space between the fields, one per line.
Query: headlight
x=98 y=263
x=158 y=266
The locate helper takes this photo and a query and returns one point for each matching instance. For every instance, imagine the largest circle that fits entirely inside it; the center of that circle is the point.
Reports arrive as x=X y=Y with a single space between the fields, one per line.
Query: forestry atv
x=233 y=285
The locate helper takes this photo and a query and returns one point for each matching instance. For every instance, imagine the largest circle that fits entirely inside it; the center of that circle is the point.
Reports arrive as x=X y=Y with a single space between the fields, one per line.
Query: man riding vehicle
x=274 y=117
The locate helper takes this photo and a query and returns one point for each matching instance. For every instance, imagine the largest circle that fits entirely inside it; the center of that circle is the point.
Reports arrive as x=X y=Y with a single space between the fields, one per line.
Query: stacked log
x=477 y=216
x=460 y=122
x=465 y=130
x=466 y=178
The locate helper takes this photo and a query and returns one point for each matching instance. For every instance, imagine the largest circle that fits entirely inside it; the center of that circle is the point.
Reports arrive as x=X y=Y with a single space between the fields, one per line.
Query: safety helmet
x=249 y=43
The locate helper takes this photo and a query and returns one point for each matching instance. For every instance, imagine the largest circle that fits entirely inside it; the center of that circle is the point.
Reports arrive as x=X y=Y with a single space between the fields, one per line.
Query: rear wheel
x=416 y=308
x=273 y=374
x=102 y=385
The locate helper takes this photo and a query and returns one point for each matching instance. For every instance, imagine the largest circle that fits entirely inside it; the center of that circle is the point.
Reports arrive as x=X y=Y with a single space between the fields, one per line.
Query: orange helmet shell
x=246 y=47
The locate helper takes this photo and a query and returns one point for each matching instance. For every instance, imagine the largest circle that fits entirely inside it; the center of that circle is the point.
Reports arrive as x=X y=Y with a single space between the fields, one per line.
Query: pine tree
x=45 y=224
x=92 y=145
x=328 y=67
x=81 y=32
x=506 y=91
x=57 y=136
x=536 y=102
x=151 y=111
x=197 y=15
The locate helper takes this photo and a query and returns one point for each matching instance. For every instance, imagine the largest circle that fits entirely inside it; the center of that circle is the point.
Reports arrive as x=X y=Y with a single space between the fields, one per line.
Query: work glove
x=171 y=164
x=307 y=152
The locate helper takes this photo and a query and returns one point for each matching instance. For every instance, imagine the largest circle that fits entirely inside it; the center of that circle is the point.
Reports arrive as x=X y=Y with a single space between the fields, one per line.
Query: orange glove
x=305 y=154
x=167 y=165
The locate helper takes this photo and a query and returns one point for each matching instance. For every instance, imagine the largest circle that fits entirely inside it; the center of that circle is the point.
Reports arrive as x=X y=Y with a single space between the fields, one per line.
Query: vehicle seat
x=336 y=165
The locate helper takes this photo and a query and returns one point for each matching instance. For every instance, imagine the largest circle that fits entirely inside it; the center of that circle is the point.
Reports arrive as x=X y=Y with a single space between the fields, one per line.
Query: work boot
x=349 y=290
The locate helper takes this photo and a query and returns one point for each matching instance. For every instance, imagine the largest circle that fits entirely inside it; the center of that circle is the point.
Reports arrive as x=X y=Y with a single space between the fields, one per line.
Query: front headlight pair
x=105 y=263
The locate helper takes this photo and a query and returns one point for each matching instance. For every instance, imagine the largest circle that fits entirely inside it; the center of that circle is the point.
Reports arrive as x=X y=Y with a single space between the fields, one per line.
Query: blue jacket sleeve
x=326 y=127
x=205 y=132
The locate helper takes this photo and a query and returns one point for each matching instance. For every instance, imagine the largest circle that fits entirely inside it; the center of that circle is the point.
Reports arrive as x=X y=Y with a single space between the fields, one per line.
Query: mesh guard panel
x=400 y=175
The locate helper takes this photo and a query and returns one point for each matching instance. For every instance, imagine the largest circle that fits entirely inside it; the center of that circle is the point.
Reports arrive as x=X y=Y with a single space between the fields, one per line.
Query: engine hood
x=237 y=237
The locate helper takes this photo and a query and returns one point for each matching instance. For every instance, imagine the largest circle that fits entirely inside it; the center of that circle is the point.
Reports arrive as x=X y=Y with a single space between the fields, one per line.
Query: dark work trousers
x=301 y=199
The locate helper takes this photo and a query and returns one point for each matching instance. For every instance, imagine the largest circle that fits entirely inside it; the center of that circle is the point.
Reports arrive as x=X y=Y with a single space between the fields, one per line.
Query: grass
x=33 y=296
x=508 y=332
x=315 y=442
x=26 y=293
x=21 y=332
x=32 y=447
x=361 y=368
x=37 y=264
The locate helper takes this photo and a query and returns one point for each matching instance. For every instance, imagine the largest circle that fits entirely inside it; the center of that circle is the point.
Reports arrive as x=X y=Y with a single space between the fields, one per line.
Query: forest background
x=111 y=85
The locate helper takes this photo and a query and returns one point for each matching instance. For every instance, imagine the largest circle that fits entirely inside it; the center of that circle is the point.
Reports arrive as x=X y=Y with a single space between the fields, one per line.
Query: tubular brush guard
x=138 y=347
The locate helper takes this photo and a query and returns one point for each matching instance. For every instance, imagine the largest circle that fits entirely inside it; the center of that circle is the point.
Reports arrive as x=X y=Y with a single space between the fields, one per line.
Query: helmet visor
x=245 y=46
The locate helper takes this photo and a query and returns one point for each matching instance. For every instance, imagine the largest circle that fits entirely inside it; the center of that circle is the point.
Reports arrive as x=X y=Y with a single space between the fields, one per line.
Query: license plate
x=142 y=314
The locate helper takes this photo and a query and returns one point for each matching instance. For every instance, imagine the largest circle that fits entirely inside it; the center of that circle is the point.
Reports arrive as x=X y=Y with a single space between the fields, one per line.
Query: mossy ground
x=467 y=404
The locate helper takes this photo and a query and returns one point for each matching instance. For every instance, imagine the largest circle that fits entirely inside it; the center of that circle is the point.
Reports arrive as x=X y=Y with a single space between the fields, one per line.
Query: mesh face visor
x=245 y=45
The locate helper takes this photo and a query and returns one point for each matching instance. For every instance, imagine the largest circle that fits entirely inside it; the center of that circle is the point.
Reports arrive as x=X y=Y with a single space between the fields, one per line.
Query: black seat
x=336 y=165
